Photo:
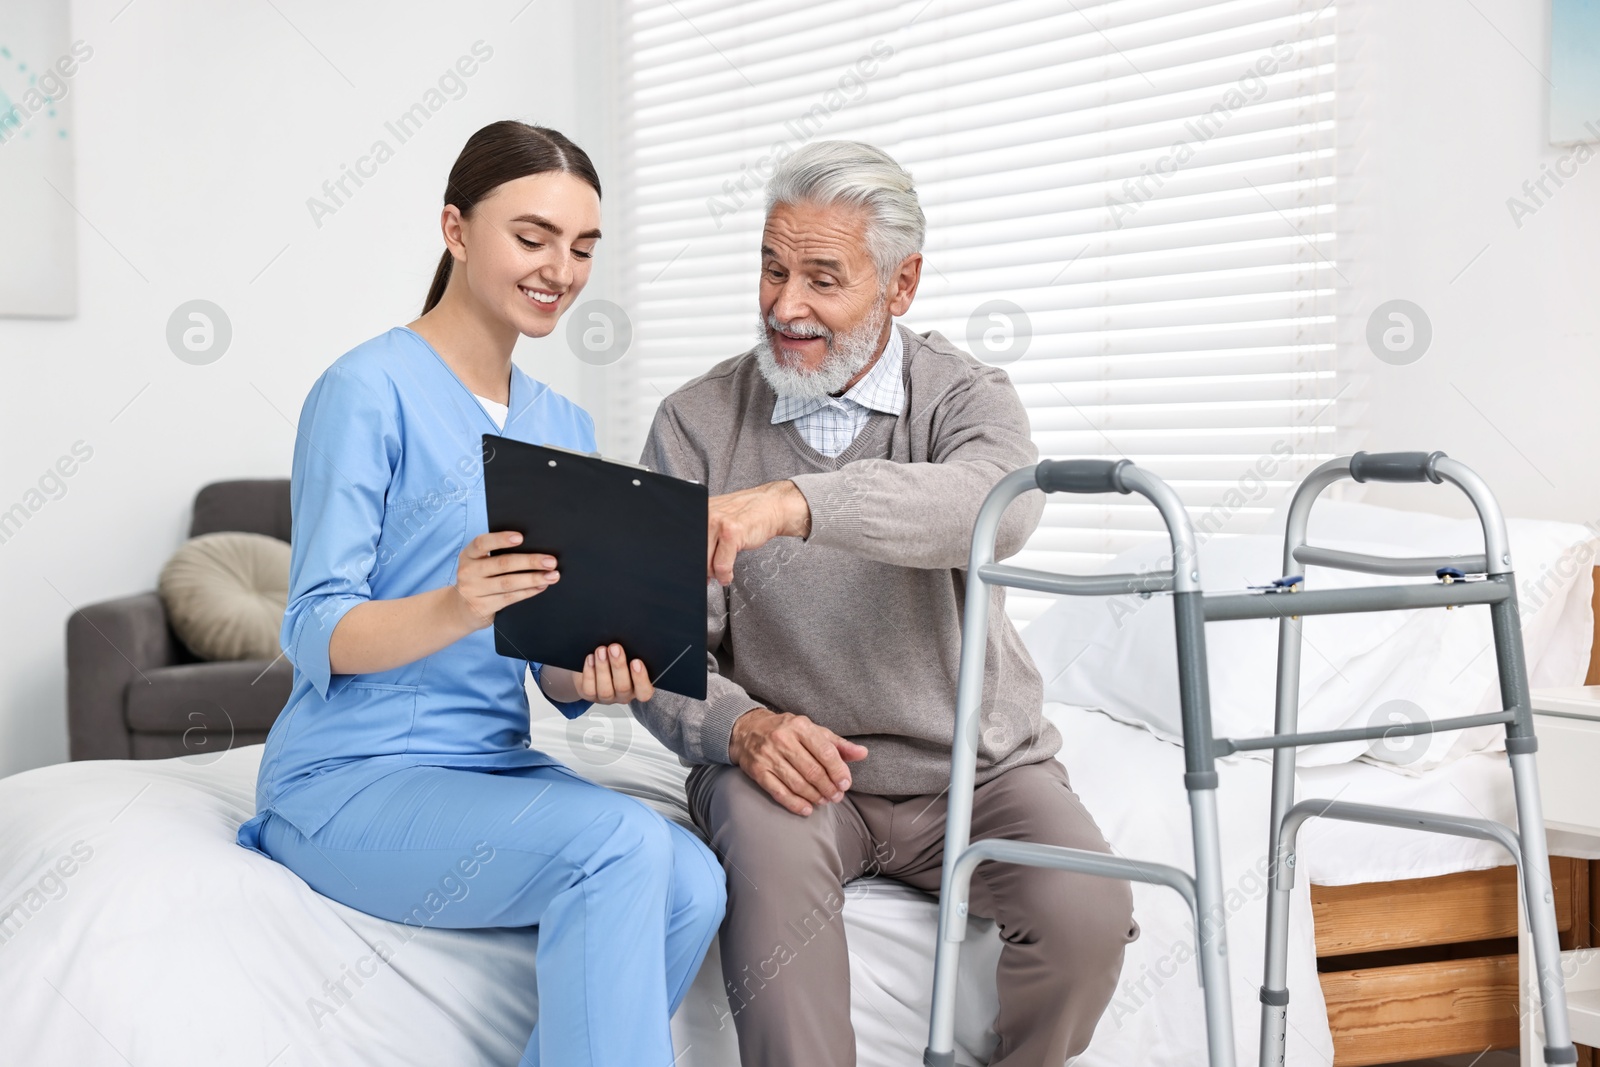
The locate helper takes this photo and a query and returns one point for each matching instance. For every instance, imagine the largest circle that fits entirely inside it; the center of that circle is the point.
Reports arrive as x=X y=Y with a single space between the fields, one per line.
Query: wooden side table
x=1567 y=722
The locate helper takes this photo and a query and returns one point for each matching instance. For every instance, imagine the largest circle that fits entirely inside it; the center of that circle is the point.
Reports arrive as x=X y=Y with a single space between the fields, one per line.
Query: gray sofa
x=135 y=692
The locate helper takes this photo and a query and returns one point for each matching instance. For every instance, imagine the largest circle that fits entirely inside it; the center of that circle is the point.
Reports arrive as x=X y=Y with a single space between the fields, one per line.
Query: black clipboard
x=631 y=548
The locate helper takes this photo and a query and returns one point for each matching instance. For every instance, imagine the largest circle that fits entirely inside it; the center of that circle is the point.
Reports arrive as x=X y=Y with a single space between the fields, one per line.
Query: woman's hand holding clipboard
x=487 y=583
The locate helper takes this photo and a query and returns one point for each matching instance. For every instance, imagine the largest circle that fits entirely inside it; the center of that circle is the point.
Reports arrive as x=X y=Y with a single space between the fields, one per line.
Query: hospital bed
x=134 y=929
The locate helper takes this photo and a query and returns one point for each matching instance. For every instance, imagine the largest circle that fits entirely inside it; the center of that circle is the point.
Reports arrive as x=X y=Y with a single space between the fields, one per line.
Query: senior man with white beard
x=848 y=457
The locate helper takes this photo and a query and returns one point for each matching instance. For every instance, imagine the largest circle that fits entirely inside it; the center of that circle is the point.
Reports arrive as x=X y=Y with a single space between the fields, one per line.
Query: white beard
x=847 y=354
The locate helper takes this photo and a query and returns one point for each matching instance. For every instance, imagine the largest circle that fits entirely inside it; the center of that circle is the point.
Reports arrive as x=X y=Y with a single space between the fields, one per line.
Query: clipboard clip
x=596 y=455
x=603 y=459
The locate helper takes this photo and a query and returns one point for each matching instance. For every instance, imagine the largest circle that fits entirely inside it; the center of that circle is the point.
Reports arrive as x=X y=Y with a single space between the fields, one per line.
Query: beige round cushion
x=226 y=593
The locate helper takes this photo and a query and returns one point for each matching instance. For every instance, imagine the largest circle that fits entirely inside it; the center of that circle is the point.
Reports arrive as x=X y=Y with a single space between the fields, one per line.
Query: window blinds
x=1131 y=208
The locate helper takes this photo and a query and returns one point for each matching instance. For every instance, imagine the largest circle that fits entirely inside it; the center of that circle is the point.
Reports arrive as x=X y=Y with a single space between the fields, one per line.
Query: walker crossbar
x=1062 y=858
x=1227 y=746
x=1381 y=815
x=1231 y=607
x=1075 y=585
x=1192 y=609
x=1394 y=568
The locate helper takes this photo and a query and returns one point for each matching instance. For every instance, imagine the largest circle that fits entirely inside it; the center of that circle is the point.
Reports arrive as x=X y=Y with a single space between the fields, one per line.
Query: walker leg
x=954 y=891
x=940 y=1050
x=1275 y=974
x=1280 y=876
x=1521 y=745
x=942 y=1022
x=1211 y=928
x=1541 y=917
x=1200 y=779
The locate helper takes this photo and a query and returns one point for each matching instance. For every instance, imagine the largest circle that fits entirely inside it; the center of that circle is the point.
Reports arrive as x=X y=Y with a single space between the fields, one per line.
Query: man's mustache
x=799 y=329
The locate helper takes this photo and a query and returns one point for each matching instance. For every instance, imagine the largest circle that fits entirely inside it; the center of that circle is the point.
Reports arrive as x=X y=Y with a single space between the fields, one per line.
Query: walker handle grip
x=1081 y=475
x=1395 y=466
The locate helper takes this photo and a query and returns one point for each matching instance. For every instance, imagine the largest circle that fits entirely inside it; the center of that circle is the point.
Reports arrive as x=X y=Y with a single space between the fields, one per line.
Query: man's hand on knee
x=798 y=762
x=749 y=519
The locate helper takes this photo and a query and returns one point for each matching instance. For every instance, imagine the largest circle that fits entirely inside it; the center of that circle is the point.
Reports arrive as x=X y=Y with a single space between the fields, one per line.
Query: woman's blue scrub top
x=386 y=491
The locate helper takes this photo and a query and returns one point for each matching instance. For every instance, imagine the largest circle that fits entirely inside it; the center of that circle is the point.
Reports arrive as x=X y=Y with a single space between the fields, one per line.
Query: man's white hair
x=850 y=172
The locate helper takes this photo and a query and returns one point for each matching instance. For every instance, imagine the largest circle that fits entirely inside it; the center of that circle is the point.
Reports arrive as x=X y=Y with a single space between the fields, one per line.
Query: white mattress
x=169 y=944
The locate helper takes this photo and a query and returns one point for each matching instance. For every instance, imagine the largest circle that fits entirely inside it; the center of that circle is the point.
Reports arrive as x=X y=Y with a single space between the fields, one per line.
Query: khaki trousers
x=783 y=940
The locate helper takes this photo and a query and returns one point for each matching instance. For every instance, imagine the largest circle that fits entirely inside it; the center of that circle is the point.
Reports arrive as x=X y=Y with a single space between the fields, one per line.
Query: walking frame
x=1286 y=602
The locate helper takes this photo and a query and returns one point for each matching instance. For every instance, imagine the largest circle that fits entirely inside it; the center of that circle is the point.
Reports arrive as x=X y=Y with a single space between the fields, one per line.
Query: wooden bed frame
x=1428 y=967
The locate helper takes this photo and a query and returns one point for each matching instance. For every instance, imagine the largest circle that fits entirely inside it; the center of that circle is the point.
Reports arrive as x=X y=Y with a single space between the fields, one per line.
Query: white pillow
x=1119 y=653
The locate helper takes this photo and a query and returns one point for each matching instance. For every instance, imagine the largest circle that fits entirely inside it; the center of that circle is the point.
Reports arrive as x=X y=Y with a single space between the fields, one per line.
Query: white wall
x=1456 y=122
x=201 y=130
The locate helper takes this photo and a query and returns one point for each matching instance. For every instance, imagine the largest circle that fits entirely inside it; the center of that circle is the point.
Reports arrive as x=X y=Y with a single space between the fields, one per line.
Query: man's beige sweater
x=858 y=626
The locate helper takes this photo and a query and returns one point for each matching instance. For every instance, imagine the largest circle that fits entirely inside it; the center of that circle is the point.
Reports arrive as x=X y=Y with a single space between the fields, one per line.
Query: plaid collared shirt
x=828 y=423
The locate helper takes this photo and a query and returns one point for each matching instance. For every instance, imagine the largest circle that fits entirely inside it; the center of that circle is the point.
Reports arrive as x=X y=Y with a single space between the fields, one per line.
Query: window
x=1131 y=207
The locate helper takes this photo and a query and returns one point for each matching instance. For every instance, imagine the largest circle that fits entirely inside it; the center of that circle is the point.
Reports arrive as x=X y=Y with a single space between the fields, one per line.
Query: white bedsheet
x=168 y=944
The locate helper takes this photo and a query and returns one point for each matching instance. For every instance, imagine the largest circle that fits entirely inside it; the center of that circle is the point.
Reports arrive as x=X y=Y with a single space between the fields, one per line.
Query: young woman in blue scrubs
x=401 y=764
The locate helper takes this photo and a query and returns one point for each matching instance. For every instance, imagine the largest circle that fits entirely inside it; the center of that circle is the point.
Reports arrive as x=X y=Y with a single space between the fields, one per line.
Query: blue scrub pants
x=625 y=900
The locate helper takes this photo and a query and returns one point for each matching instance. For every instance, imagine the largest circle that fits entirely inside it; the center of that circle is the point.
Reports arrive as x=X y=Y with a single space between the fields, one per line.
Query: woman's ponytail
x=441 y=278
